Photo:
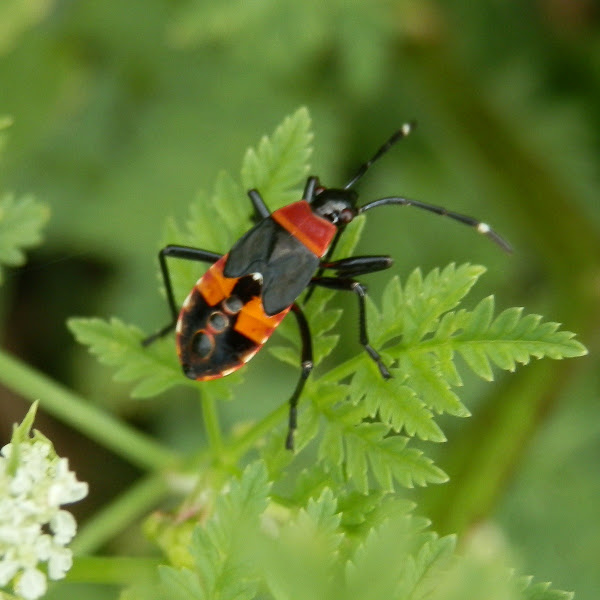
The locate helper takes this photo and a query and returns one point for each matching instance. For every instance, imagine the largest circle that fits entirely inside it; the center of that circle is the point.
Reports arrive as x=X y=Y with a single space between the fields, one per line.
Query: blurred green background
x=123 y=111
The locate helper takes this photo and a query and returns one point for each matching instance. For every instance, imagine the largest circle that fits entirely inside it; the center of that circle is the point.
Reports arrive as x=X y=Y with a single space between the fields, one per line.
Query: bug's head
x=336 y=205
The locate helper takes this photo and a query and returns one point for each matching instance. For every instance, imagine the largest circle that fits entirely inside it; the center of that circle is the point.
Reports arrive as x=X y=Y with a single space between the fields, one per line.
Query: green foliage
x=116 y=130
x=421 y=335
x=331 y=531
x=419 y=329
x=221 y=568
x=280 y=162
x=21 y=222
x=305 y=28
x=248 y=550
x=119 y=345
x=17 y=17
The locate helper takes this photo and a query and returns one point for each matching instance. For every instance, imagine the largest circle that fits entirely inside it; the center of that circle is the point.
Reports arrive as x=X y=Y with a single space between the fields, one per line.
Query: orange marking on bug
x=213 y=285
x=314 y=232
x=255 y=324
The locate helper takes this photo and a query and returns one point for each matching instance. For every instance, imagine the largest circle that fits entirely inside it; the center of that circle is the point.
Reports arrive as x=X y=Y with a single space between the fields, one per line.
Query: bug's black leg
x=326 y=258
x=186 y=253
x=261 y=211
x=306 y=364
x=310 y=188
x=358 y=265
x=350 y=285
x=352 y=267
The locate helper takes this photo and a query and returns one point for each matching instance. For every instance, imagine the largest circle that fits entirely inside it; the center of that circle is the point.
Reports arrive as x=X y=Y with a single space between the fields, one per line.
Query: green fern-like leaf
x=541 y=591
x=281 y=161
x=119 y=345
x=155 y=369
x=509 y=339
x=221 y=570
x=363 y=448
x=251 y=547
x=421 y=577
x=300 y=562
x=420 y=342
x=21 y=222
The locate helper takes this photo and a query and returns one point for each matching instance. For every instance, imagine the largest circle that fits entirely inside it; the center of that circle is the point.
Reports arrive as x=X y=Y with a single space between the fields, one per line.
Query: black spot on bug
x=202 y=344
x=218 y=322
x=232 y=305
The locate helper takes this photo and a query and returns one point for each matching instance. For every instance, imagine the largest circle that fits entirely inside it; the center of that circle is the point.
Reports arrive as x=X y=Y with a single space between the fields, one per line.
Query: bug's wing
x=250 y=254
x=285 y=263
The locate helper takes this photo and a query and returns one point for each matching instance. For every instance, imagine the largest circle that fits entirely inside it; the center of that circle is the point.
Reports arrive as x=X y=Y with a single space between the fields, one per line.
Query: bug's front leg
x=358 y=265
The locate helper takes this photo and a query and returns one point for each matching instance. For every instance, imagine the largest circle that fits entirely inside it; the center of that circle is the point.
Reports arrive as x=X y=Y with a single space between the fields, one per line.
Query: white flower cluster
x=34 y=483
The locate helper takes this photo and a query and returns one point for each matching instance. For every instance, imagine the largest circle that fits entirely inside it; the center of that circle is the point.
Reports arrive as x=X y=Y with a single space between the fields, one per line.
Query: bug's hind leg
x=185 y=253
x=306 y=364
x=350 y=285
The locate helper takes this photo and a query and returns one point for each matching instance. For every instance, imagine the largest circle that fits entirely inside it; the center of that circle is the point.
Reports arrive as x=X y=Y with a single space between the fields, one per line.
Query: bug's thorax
x=314 y=231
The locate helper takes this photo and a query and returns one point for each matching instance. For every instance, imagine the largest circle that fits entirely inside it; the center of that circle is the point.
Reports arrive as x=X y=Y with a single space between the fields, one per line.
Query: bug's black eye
x=346 y=215
x=202 y=344
x=218 y=321
x=337 y=206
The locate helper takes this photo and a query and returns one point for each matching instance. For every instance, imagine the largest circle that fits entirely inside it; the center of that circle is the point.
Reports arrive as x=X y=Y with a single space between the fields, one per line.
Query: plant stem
x=244 y=443
x=343 y=370
x=120 y=570
x=142 y=496
x=62 y=403
x=212 y=425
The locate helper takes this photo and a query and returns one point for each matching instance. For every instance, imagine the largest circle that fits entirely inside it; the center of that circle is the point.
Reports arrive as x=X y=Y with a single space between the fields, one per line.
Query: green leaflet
x=308 y=553
x=280 y=162
x=221 y=569
x=420 y=333
x=363 y=448
x=154 y=368
x=119 y=345
x=21 y=222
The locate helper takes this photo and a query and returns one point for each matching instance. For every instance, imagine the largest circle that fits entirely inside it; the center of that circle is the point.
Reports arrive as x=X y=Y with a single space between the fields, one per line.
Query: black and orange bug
x=243 y=296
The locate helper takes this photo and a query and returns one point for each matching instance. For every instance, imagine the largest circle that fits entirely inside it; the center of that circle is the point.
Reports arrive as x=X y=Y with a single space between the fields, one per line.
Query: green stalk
x=212 y=425
x=140 y=498
x=119 y=570
x=77 y=412
x=240 y=446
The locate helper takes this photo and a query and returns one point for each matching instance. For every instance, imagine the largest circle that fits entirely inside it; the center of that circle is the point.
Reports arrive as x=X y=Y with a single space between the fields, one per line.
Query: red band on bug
x=314 y=232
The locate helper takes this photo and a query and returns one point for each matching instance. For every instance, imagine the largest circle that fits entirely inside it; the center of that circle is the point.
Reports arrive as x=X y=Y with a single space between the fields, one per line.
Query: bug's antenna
x=479 y=226
x=396 y=137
